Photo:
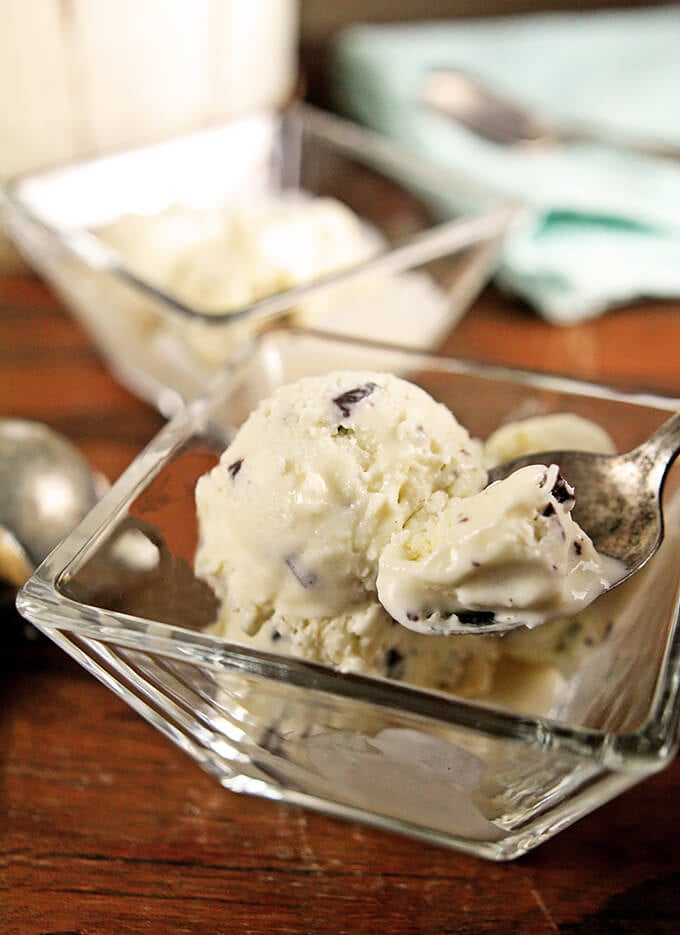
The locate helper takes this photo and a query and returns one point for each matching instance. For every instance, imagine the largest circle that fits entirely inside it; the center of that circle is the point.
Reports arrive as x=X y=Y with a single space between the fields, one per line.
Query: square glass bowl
x=494 y=776
x=165 y=349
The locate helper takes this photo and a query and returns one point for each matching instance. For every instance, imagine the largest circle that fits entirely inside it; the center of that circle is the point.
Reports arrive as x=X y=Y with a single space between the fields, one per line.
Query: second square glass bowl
x=426 y=268
x=492 y=776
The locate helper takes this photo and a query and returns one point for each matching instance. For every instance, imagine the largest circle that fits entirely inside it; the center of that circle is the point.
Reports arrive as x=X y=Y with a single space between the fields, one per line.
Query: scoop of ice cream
x=509 y=555
x=149 y=244
x=304 y=239
x=317 y=481
x=266 y=248
x=219 y=262
x=346 y=490
x=563 y=431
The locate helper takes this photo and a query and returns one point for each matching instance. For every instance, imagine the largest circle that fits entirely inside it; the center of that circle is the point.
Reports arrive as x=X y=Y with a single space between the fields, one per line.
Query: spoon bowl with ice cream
x=619 y=496
x=550 y=532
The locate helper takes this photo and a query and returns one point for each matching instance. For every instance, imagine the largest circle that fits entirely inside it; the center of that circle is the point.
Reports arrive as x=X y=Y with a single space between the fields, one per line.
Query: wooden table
x=106 y=827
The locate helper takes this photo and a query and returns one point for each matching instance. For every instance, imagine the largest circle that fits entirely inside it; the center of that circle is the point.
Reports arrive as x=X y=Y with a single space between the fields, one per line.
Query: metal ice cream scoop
x=46 y=487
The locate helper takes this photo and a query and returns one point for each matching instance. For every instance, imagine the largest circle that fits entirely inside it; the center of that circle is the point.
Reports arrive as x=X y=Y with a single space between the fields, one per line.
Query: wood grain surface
x=106 y=827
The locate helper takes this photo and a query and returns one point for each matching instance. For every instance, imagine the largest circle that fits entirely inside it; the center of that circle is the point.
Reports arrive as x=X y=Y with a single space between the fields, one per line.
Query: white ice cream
x=294 y=518
x=510 y=555
x=563 y=431
x=221 y=263
x=217 y=263
x=270 y=248
x=336 y=512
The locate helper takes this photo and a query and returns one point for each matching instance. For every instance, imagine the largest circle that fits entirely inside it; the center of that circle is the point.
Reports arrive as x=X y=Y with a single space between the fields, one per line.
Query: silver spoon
x=618 y=497
x=495 y=117
x=46 y=487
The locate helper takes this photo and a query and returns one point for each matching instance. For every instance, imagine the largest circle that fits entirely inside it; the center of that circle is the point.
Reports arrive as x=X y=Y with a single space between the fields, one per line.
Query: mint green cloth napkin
x=601 y=225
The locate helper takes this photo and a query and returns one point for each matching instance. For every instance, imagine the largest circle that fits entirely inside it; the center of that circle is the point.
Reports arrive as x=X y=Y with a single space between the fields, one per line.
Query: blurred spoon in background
x=497 y=118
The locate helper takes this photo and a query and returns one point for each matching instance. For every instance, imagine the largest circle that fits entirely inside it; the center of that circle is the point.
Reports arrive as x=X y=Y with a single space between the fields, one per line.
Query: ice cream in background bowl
x=218 y=266
x=349 y=522
x=219 y=262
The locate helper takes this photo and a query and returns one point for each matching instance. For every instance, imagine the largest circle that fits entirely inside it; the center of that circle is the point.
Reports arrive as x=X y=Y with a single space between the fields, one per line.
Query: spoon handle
x=573 y=133
x=659 y=451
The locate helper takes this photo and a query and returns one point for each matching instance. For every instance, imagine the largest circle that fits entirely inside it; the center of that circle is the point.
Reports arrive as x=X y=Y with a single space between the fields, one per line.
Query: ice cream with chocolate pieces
x=508 y=556
x=350 y=503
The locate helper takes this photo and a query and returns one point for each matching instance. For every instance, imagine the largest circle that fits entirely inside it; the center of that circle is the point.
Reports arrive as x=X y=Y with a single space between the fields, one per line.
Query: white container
x=78 y=77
